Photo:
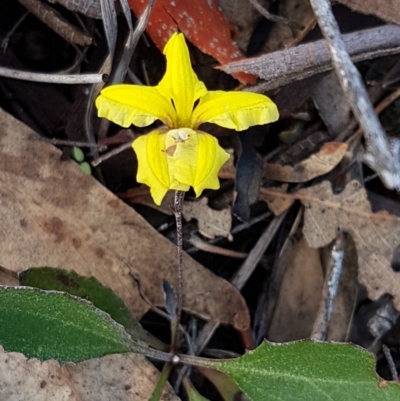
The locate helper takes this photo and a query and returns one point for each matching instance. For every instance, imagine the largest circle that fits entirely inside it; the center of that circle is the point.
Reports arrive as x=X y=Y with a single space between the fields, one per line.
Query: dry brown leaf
x=54 y=215
x=212 y=223
x=376 y=235
x=388 y=10
x=299 y=293
x=276 y=204
x=126 y=377
x=320 y=163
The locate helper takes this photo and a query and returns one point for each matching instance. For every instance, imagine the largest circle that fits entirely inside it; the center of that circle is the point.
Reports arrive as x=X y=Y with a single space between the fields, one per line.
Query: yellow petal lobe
x=134 y=104
x=234 y=110
x=197 y=158
x=180 y=83
x=153 y=166
x=178 y=159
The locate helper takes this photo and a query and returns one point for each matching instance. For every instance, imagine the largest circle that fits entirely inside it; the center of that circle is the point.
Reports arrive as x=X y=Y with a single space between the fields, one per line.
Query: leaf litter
x=52 y=215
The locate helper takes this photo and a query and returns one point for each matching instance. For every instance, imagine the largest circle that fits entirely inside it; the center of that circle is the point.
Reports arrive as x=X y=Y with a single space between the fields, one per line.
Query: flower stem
x=178 y=200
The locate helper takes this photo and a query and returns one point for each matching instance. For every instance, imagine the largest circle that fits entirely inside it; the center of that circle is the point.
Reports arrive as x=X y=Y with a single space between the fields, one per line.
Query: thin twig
x=4 y=42
x=392 y=365
x=271 y=17
x=247 y=268
x=330 y=290
x=382 y=154
x=177 y=210
x=111 y=153
x=63 y=142
x=71 y=79
x=206 y=247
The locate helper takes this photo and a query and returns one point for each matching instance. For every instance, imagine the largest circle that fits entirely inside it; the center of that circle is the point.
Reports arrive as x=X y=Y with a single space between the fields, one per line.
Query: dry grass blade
x=109 y=17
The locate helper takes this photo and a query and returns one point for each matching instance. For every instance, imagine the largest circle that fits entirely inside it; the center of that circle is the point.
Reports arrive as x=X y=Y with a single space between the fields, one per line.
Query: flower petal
x=197 y=160
x=134 y=104
x=234 y=110
x=180 y=83
x=153 y=168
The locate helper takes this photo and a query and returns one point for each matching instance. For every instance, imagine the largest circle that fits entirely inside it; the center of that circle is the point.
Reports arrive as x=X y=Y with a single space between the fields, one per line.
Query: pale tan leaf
x=212 y=223
x=322 y=162
x=127 y=377
x=276 y=204
x=299 y=294
x=376 y=235
x=54 y=215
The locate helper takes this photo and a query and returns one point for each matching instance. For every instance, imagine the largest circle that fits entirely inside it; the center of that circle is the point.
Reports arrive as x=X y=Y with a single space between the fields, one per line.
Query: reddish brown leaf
x=201 y=21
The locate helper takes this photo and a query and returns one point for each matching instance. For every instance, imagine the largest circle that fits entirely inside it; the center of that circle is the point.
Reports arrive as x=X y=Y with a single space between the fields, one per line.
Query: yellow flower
x=180 y=156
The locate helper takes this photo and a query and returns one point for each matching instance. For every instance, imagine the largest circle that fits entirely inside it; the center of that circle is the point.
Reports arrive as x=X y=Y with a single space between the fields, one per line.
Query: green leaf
x=56 y=325
x=49 y=278
x=85 y=167
x=308 y=371
x=77 y=154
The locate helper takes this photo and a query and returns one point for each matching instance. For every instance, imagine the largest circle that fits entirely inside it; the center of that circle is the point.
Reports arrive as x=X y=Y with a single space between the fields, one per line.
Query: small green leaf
x=49 y=278
x=77 y=154
x=85 y=167
x=56 y=325
x=308 y=370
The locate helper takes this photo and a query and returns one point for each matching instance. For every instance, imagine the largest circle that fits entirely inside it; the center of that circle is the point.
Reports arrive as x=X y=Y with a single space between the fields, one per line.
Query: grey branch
x=285 y=66
x=382 y=154
x=52 y=78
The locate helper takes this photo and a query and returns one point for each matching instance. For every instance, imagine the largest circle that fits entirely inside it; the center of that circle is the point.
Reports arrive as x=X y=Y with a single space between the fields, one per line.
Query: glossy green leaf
x=56 y=325
x=49 y=278
x=77 y=154
x=85 y=167
x=308 y=371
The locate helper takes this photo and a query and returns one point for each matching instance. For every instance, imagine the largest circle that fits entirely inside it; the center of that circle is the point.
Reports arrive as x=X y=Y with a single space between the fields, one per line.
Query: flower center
x=180 y=134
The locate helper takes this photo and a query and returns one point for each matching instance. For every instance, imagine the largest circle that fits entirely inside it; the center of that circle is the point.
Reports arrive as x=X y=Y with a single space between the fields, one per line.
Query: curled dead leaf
x=320 y=163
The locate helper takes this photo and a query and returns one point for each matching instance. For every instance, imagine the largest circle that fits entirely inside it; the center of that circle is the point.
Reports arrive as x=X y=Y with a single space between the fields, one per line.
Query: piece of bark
x=54 y=215
x=305 y=57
